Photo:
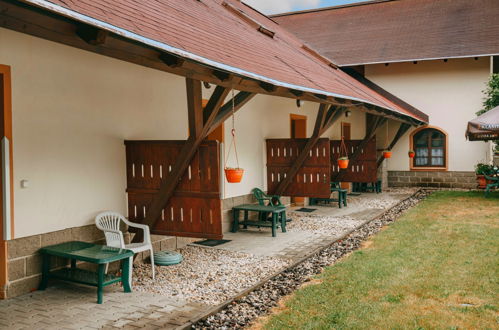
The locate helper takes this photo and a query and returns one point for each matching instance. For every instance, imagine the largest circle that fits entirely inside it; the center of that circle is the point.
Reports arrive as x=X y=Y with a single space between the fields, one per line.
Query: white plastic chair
x=109 y=223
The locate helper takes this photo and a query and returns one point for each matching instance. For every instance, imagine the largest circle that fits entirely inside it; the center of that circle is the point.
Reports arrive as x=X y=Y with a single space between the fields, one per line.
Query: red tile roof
x=224 y=34
x=399 y=30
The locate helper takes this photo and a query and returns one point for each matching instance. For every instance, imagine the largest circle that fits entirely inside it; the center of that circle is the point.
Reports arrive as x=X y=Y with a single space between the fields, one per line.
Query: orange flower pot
x=387 y=154
x=482 y=182
x=343 y=163
x=234 y=175
x=412 y=154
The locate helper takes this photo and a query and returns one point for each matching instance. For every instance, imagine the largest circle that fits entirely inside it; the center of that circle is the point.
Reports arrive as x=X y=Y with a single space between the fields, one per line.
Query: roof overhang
x=244 y=80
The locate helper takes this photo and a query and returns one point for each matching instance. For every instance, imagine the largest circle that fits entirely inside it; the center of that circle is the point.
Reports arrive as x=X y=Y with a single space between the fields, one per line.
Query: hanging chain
x=343 y=147
x=386 y=141
x=233 y=114
x=233 y=133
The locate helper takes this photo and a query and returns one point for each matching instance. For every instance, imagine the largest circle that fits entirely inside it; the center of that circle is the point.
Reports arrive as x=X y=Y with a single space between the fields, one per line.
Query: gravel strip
x=326 y=225
x=389 y=198
x=242 y=312
x=207 y=276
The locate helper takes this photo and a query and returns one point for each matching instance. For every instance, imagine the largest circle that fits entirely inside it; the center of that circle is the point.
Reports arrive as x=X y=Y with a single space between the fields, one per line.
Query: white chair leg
x=130 y=271
x=107 y=266
x=152 y=263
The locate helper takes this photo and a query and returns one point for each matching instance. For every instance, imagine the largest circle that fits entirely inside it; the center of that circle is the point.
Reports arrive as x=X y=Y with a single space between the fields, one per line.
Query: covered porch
x=146 y=155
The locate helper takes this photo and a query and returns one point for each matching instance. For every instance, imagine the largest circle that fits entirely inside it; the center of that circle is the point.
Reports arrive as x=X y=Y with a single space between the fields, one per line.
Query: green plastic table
x=335 y=187
x=93 y=253
x=278 y=214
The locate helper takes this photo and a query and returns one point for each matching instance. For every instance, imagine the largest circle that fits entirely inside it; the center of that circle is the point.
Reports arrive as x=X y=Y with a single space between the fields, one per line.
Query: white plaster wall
x=73 y=109
x=450 y=93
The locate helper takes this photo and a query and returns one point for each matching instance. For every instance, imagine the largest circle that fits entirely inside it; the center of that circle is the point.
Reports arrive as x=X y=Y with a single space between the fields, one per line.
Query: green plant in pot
x=481 y=170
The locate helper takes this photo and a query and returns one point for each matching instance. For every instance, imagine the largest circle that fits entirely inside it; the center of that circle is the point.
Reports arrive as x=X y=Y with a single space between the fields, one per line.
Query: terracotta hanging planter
x=411 y=154
x=234 y=175
x=343 y=162
x=387 y=154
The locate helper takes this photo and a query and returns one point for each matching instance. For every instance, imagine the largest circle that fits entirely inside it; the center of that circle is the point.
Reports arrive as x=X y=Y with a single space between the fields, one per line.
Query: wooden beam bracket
x=321 y=125
x=403 y=128
x=370 y=133
x=201 y=123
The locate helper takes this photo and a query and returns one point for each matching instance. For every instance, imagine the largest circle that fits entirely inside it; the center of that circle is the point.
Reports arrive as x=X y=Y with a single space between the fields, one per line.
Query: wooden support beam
x=171 y=60
x=322 y=123
x=215 y=102
x=319 y=122
x=225 y=112
x=194 y=107
x=199 y=126
x=91 y=35
x=332 y=115
x=370 y=133
x=403 y=128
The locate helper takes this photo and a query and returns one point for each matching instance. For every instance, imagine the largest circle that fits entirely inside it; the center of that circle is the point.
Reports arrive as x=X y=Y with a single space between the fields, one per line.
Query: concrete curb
x=258 y=285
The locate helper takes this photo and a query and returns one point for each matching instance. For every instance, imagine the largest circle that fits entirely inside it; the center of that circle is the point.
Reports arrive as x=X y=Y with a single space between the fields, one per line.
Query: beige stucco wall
x=449 y=92
x=73 y=109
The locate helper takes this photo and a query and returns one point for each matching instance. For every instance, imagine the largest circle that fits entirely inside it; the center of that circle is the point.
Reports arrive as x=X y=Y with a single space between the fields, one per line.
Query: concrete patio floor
x=68 y=306
x=296 y=244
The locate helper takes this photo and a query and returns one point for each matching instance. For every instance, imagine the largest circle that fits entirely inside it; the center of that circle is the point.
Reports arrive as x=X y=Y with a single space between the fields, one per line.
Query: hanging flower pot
x=234 y=175
x=343 y=162
x=412 y=154
x=343 y=156
x=387 y=154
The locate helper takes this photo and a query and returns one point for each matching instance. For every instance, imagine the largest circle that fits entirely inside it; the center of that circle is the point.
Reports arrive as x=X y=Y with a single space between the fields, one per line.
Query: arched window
x=430 y=147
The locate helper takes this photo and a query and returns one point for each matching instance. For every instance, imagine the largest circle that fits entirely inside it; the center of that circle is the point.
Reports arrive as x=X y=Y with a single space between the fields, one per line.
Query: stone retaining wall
x=432 y=179
x=25 y=264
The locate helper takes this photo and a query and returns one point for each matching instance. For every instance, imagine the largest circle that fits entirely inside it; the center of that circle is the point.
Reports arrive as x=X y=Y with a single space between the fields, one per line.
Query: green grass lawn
x=437 y=267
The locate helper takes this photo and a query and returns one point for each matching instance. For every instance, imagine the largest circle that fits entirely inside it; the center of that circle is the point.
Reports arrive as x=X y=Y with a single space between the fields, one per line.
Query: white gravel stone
x=326 y=225
x=208 y=276
x=389 y=198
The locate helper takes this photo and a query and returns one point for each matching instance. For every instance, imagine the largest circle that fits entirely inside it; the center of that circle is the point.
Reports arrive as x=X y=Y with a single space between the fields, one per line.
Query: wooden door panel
x=195 y=210
x=363 y=169
x=313 y=179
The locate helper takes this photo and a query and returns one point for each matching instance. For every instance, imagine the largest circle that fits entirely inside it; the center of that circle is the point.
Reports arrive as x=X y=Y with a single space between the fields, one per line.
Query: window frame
x=412 y=161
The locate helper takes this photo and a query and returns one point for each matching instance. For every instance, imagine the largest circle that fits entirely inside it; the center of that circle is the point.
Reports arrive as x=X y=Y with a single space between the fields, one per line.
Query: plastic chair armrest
x=145 y=228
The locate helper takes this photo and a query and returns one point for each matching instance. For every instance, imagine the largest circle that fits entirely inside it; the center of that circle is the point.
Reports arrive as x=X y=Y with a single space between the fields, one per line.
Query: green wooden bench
x=341 y=200
x=265 y=199
x=93 y=253
x=278 y=213
x=360 y=187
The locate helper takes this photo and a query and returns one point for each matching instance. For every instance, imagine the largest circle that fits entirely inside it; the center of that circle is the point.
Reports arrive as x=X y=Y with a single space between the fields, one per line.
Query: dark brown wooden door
x=298 y=131
x=346 y=129
x=195 y=209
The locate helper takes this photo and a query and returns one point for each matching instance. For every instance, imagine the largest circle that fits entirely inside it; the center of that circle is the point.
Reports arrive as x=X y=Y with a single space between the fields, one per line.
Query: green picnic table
x=93 y=253
x=278 y=213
